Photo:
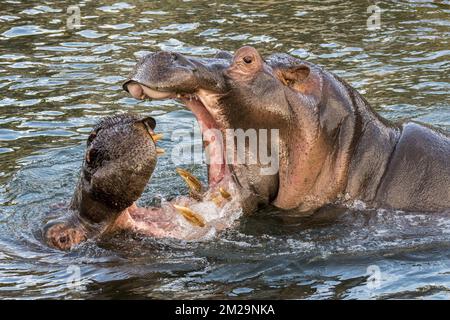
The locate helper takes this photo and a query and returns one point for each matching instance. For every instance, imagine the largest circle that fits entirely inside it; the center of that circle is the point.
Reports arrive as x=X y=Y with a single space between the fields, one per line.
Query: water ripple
x=57 y=82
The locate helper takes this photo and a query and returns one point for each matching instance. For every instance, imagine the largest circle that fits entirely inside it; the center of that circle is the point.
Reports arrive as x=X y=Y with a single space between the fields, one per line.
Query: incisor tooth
x=193 y=183
x=224 y=193
x=191 y=216
x=160 y=151
x=217 y=200
x=157 y=136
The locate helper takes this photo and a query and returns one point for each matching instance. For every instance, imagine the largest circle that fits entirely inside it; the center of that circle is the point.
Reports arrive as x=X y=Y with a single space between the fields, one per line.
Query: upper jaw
x=143 y=91
x=172 y=72
x=201 y=103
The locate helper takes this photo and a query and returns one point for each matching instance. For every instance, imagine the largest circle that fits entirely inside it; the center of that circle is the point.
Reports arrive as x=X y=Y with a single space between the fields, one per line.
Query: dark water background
x=55 y=83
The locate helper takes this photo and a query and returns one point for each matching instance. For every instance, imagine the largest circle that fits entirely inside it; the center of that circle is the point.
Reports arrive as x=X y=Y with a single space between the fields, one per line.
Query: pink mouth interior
x=212 y=137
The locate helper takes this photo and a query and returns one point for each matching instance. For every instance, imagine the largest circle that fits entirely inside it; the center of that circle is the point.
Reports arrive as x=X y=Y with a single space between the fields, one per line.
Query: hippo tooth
x=224 y=193
x=191 y=216
x=156 y=136
x=160 y=151
x=217 y=199
x=178 y=95
x=193 y=183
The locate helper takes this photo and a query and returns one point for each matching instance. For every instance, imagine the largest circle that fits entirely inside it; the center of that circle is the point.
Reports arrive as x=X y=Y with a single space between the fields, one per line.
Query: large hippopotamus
x=331 y=145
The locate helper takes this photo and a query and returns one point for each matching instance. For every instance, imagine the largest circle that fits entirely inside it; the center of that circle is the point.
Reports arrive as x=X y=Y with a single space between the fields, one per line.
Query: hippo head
x=119 y=160
x=307 y=106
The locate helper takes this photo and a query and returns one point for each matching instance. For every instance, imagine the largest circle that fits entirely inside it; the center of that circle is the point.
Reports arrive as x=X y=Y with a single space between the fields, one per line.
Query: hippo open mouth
x=246 y=93
x=227 y=92
x=198 y=103
x=183 y=84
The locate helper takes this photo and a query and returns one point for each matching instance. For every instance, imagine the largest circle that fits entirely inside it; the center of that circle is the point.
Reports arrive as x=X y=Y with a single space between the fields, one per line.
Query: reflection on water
x=55 y=83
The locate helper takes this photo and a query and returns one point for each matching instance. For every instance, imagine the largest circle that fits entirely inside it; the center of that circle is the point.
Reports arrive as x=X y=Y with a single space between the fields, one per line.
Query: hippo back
x=418 y=174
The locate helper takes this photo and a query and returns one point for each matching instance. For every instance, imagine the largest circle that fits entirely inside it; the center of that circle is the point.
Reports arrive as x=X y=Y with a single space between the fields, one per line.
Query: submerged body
x=332 y=146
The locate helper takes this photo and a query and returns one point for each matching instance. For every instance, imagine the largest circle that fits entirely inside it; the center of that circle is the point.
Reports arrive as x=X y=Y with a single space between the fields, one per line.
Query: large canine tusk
x=224 y=193
x=193 y=183
x=191 y=216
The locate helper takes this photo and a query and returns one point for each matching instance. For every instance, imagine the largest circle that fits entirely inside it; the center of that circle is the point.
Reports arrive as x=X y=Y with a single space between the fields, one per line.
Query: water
x=55 y=83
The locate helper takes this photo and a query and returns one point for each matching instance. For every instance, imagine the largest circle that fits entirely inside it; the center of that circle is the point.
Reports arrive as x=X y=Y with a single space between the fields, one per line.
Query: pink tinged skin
x=212 y=138
x=149 y=221
x=135 y=90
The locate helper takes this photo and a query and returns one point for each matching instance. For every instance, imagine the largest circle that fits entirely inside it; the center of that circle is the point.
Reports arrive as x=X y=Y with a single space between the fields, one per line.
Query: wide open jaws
x=197 y=103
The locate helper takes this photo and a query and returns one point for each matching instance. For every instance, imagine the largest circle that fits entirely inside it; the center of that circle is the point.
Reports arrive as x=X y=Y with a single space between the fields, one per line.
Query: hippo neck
x=255 y=190
x=372 y=151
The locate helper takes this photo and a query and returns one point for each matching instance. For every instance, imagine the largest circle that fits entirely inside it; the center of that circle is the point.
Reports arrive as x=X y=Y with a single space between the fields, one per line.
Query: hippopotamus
x=119 y=160
x=332 y=147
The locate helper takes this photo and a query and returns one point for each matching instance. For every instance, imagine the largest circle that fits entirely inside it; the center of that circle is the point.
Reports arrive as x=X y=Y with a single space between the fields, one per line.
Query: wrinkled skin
x=332 y=146
x=119 y=160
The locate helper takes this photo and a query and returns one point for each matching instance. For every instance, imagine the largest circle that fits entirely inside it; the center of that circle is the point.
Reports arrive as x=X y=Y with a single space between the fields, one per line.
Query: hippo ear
x=301 y=77
x=295 y=76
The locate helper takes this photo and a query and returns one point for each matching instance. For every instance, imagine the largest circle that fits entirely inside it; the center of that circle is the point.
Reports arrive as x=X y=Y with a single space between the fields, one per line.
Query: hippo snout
x=168 y=72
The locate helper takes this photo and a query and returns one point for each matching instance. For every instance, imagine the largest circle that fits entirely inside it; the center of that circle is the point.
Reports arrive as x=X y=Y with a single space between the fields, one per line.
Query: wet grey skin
x=119 y=160
x=333 y=147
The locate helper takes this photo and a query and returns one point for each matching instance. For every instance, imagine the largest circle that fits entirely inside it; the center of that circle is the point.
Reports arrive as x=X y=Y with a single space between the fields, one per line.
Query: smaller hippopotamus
x=120 y=158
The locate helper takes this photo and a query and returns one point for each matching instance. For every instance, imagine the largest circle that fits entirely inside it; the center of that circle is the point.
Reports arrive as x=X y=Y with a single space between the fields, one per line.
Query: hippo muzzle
x=164 y=75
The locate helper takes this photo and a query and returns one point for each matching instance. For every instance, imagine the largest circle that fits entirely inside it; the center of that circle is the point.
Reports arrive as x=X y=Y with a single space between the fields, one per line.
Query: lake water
x=56 y=82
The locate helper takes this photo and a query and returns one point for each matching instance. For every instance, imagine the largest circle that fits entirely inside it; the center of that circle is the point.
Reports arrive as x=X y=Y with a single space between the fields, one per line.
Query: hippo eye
x=63 y=239
x=248 y=59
